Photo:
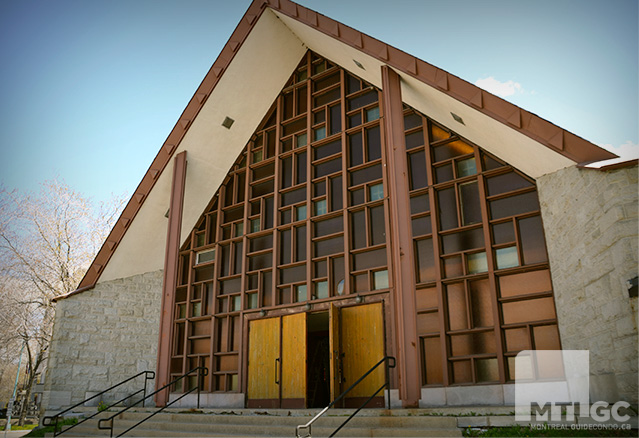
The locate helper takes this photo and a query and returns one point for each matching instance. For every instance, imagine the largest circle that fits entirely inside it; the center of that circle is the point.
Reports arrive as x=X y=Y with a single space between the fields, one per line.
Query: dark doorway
x=317 y=359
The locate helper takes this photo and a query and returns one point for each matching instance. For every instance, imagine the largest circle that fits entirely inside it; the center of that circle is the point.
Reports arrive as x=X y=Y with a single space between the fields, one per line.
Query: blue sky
x=91 y=89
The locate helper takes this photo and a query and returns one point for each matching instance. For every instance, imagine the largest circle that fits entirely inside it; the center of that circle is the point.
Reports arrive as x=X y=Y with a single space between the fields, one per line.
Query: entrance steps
x=273 y=422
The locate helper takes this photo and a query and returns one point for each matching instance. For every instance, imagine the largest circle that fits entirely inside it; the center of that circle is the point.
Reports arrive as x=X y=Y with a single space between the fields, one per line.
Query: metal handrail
x=308 y=425
x=201 y=372
x=52 y=420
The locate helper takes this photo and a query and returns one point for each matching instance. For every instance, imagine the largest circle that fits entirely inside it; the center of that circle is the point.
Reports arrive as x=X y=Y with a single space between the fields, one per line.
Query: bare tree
x=47 y=242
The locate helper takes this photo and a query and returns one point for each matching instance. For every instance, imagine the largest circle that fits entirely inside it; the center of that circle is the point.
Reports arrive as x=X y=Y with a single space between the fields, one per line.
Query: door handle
x=277 y=382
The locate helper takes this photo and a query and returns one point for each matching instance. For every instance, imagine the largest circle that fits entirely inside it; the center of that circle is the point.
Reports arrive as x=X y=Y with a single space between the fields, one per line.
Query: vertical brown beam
x=170 y=276
x=401 y=241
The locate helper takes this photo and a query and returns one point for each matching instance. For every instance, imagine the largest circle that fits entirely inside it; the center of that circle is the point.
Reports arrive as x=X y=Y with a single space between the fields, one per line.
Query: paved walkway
x=13 y=433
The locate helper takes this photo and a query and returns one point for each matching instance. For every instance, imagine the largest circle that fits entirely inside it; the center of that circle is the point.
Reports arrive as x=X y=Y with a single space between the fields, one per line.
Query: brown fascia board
x=546 y=133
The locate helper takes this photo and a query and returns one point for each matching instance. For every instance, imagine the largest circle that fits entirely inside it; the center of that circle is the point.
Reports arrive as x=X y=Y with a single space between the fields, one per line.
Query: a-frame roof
x=246 y=77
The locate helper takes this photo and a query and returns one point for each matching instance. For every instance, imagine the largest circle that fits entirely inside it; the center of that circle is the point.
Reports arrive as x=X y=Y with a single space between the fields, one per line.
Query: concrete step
x=371 y=423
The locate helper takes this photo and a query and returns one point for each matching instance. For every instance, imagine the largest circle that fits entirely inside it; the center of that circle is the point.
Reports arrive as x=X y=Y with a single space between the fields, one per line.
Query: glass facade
x=302 y=217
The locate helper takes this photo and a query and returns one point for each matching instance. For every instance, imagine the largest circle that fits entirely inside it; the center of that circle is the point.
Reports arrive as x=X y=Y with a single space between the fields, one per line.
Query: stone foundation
x=101 y=337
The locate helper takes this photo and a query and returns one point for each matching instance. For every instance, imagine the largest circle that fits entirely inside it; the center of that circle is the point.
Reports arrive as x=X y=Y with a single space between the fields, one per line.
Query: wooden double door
x=294 y=359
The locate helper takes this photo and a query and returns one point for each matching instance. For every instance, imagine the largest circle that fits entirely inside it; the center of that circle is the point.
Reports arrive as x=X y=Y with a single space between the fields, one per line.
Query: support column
x=401 y=241
x=171 y=258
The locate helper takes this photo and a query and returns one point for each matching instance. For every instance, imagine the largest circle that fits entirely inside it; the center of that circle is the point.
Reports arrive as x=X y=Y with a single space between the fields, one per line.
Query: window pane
x=329 y=246
x=517 y=339
x=329 y=226
x=300 y=293
x=414 y=140
x=372 y=114
x=300 y=243
x=514 y=205
x=437 y=133
x=457 y=305
x=300 y=212
x=338 y=275
x=481 y=304
x=444 y=173
x=447 y=209
x=453 y=267
x=487 y=370
x=427 y=323
x=417 y=168
x=378 y=230
x=421 y=226
x=473 y=343
x=365 y=175
x=336 y=193
x=285 y=247
x=319 y=188
x=260 y=262
x=462 y=372
x=327 y=150
x=300 y=140
x=507 y=257
x=425 y=260
x=451 y=150
x=533 y=243
x=503 y=233
x=525 y=283
x=358 y=229
x=328 y=167
x=373 y=144
x=380 y=280
x=426 y=298
x=357 y=197
x=301 y=168
x=419 y=204
x=477 y=263
x=470 y=203
x=546 y=337
x=336 y=119
x=321 y=290
x=462 y=241
x=319 y=133
x=370 y=259
x=376 y=191
x=506 y=183
x=293 y=197
x=528 y=310
x=431 y=359
x=412 y=121
x=260 y=243
x=355 y=149
x=293 y=275
x=320 y=207
x=466 y=167
x=355 y=120
x=362 y=100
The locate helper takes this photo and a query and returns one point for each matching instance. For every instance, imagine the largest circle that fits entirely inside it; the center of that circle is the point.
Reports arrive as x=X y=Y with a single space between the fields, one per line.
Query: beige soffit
x=211 y=148
x=521 y=151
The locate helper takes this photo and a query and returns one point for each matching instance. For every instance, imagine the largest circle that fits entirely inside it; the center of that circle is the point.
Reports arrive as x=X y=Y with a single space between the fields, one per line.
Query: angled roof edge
x=544 y=132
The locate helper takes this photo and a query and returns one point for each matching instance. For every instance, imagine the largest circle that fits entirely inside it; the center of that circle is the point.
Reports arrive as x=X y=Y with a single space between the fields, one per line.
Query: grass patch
x=526 y=431
x=42 y=431
x=24 y=427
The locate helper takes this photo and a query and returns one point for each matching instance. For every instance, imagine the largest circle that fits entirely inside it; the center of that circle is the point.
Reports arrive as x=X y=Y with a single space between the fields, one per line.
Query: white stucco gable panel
x=246 y=91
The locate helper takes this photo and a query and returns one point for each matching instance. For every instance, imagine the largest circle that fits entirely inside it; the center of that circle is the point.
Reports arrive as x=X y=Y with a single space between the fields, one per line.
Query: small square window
x=300 y=212
x=319 y=133
x=372 y=114
x=320 y=207
x=301 y=140
x=205 y=256
x=380 y=280
x=181 y=311
x=466 y=167
x=255 y=225
x=507 y=257
x=321 y=290
x=376 y=192
x=239 y=229
x=236 y=304
x=197 y=309
x=251 y=301
x=477 y=263
x=257 y=156
x=300 y=293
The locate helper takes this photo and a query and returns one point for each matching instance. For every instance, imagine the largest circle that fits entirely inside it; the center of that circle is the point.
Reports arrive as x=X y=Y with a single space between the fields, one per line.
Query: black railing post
x=199 y=381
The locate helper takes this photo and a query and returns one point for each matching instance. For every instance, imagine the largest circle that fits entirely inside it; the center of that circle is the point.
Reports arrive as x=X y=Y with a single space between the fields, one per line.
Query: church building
x=326 y=200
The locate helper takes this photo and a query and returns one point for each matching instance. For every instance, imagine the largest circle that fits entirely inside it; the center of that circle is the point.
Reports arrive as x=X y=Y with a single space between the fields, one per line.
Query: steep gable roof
x=281 y=30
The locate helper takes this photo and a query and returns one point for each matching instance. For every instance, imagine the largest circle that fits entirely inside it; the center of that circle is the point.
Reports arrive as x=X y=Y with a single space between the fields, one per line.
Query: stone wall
x=590 y=221
x=103 y=336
